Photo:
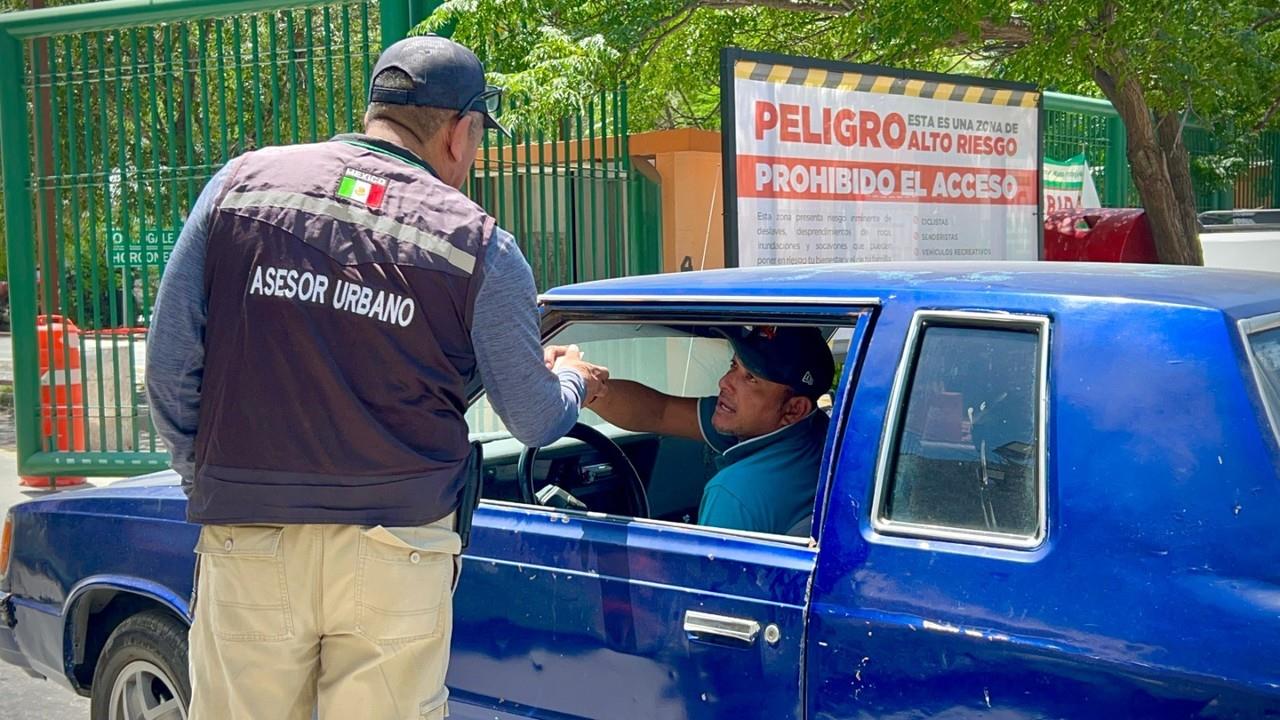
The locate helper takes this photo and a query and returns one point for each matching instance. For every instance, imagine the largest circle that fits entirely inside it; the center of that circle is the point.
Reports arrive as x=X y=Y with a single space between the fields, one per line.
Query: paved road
x=23 y=697
x=138 y=345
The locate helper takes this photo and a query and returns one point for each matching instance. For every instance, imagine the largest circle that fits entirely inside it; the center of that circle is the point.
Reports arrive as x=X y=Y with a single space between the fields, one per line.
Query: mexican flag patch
x=363 y=188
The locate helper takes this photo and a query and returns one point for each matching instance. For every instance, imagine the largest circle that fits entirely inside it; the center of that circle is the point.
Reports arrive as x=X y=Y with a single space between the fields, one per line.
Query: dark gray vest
x=341 y=280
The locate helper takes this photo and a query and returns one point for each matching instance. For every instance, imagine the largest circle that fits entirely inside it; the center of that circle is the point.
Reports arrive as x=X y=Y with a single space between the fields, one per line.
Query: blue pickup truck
x=1048 y=491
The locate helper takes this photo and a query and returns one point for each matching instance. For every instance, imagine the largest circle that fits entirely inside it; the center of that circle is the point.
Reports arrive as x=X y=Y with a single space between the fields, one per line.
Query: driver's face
x=748 y=406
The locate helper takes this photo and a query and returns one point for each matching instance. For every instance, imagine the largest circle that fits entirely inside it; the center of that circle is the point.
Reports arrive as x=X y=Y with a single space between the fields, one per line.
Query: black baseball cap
x=797 y=357
x=445 y=75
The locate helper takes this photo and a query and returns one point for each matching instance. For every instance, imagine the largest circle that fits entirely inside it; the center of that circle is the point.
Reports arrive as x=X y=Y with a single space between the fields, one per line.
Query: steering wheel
x=637 y=500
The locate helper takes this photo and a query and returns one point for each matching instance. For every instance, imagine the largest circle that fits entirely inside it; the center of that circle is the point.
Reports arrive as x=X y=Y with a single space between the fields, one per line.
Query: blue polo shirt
x=765 y=484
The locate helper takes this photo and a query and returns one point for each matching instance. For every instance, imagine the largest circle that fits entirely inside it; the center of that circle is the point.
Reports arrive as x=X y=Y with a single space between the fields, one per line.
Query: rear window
x=1266 y=355
x=964 y=463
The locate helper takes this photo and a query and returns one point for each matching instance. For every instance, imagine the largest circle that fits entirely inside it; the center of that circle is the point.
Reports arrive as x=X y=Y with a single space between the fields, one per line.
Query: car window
x=965 y=457
x=1266 y=353
x=684 y=360
x=1240 y=217
x=667 y=359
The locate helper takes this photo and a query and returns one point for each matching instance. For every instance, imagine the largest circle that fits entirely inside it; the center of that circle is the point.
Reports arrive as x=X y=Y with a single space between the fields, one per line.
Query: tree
x=1163 y=64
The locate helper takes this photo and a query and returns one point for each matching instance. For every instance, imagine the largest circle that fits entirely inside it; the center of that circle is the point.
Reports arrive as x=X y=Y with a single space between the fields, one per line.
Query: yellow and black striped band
x=884 y=84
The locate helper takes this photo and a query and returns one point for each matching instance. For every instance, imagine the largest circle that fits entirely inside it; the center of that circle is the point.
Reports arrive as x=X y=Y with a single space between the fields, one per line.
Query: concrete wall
x=693 y=209
x=689 y=166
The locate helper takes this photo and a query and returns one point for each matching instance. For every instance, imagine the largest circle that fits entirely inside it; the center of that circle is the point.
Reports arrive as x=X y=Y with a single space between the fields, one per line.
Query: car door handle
x=699 y=624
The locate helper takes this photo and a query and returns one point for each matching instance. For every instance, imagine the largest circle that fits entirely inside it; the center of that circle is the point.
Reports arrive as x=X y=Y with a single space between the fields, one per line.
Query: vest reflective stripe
x=353 y=215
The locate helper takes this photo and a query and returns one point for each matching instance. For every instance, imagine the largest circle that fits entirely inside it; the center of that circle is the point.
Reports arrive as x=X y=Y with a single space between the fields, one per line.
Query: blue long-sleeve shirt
x=537 y=406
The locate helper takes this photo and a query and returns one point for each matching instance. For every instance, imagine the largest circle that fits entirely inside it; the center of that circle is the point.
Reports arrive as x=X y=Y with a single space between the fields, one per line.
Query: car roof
x=1235 y=292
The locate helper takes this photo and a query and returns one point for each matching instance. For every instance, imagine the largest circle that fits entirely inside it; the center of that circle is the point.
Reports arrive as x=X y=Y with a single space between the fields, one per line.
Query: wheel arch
x=95 y=608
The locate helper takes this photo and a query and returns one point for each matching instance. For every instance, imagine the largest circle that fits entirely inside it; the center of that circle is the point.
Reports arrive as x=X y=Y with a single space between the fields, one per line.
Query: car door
x=937 y=538
x=565 y=614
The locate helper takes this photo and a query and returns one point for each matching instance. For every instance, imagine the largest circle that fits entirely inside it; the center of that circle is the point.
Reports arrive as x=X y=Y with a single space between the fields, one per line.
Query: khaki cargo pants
x=353 y=621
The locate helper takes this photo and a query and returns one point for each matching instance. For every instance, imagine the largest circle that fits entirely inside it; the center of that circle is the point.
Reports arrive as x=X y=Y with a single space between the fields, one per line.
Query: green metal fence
x=114 y=114
x=571 y=197
x=1075 y=125
x=113 y=117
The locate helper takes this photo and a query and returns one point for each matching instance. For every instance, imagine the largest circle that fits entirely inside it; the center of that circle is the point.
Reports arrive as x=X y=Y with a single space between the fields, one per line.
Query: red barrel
x=61 y=392
x=1099 y=235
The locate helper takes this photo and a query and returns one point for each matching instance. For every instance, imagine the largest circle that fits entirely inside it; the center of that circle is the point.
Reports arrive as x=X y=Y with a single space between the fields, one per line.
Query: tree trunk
x=1178 y=160
x=1163 y=181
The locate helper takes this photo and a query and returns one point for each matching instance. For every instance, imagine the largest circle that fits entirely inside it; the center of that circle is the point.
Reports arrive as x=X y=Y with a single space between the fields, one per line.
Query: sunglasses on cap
x=487 y=101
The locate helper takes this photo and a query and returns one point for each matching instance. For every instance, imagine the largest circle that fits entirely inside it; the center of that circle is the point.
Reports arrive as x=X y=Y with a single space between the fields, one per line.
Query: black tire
x=150 y=648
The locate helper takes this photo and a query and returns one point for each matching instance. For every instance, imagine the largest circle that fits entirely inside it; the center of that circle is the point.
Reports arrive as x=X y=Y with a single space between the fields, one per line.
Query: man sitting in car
x=764 y=425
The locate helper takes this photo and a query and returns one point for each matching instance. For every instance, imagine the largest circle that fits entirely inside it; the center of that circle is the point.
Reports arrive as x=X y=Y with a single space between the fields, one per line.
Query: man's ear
x=795 y=409
x=460 y=138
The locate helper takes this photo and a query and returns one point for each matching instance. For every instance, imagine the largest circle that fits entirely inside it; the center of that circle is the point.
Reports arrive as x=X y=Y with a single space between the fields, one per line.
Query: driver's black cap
x=444 y=74
x=797 y=357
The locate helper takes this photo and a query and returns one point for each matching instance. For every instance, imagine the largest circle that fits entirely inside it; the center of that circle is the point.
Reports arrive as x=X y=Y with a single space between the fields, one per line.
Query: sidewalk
x=13 y=492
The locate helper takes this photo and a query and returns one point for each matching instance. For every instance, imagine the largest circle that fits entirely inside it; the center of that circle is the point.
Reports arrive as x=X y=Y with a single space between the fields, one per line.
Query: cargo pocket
x=403 y=578
x=243 y=570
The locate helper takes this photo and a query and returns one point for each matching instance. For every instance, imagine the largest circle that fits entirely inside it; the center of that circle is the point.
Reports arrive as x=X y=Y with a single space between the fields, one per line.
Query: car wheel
x=142 y=671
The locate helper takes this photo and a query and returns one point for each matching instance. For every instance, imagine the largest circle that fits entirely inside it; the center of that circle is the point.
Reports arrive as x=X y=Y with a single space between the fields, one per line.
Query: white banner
x=836 y=166
x=1069 y=184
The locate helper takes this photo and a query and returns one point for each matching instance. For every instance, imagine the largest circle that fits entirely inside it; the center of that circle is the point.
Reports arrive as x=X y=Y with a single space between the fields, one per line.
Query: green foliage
x=1217 y=172
x=4 y=249
x=4 y=243
x=15 y=5
x=1216 y=60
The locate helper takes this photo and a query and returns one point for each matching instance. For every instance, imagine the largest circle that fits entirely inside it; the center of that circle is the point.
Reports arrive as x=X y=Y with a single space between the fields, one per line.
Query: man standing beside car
x=315 y=339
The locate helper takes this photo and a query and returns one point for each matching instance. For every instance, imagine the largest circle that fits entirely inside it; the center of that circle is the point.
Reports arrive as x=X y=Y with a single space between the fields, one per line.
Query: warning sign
x=830 y=162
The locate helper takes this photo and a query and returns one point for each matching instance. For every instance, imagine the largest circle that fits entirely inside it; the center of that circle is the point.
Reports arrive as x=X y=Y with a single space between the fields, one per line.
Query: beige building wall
x=689 y=166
